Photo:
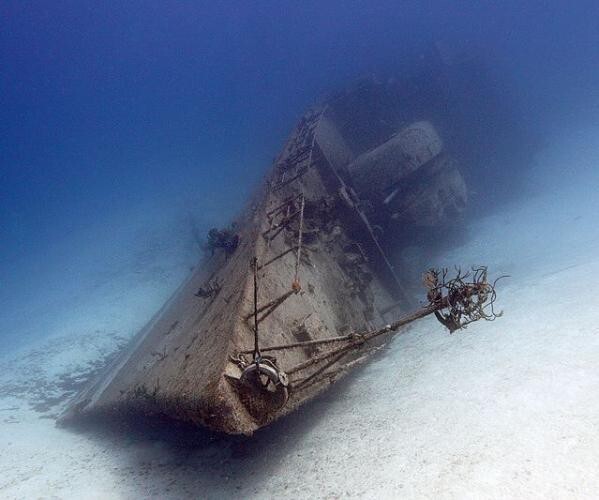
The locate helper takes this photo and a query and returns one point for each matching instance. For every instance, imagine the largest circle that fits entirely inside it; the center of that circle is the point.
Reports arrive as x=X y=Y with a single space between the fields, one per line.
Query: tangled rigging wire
x=456 y=302
x=466 y=298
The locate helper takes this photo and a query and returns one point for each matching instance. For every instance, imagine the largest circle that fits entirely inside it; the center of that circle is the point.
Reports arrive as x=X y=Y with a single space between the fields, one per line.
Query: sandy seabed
x=507 y=409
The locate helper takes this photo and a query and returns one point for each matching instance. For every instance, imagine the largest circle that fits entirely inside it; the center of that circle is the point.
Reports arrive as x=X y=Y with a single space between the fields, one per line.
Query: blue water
x=126 y=127
x=109 y=105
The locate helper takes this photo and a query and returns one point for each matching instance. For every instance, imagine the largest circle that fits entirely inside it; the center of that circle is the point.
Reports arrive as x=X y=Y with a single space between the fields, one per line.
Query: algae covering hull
x=321 y=273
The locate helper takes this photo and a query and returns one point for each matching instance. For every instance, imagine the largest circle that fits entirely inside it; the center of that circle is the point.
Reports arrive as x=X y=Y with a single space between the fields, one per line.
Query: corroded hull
x=321 y=272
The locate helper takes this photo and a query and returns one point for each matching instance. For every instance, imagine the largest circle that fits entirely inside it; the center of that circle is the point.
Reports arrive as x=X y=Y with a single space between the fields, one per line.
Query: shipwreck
x=301 y=288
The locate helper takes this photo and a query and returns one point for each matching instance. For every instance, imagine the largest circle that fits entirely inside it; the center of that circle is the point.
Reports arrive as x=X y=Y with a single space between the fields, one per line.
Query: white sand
x=508 y=409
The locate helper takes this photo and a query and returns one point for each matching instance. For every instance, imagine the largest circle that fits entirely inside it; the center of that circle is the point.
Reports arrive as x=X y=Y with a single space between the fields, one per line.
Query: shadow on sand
x=168 y=459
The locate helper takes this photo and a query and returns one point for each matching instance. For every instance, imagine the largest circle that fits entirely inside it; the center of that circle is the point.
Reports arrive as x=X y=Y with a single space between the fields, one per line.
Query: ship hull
x=307 y=265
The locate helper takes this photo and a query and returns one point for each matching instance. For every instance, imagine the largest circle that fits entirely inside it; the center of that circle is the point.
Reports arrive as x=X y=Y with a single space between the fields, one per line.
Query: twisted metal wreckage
x=305 y=276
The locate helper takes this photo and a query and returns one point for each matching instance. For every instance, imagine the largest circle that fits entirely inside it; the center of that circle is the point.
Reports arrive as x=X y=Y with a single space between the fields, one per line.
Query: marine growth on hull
x=301 y=287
